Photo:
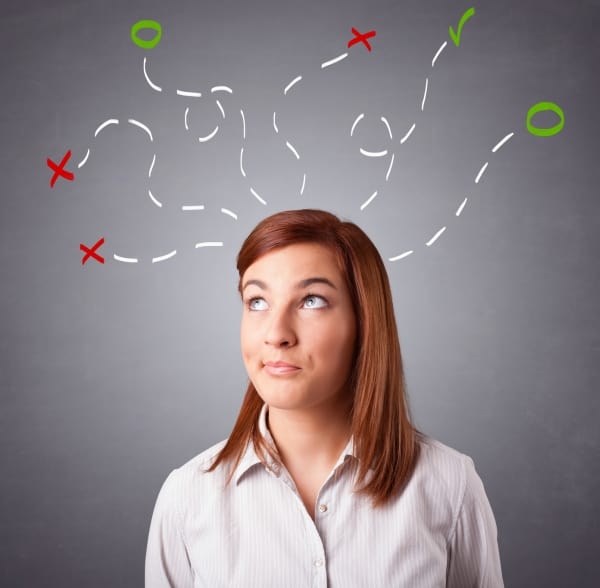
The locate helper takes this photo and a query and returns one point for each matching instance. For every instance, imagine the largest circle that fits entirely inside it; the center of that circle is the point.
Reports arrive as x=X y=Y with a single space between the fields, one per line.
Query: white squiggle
x=243 y=124
x=142 y=126
x=483 y=168
x=502 y=142
x=253 y=191
x=402 y=255
x=209 y=244
x=373 y=153
x=153 y=198
x=408 y=134
x=185 y=118
x=368 y=201
x=190 y=94
x=110 y=121
x=220 y=108
x=435 y=237
x=209 y=137
x=291 y=85
x=424 y=94
x=443 y=46
x=334 y=60
x=164 y=257
x=242 y=162
x=192 y=207
x=358 y=119
x=153 y=86
x=229 y=212
x=291 y=148
x=152 y=165
x=387 y=175
x=303 y=184
x=275 y=122
x=221 y=89
x=125 y=259
x=387 y=124
x=82 y=162
x=460 y=208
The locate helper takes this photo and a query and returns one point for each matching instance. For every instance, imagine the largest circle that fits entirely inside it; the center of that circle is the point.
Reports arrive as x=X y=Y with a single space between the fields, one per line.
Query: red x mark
x=92 y=252
x=59 y=170
x=360 y=37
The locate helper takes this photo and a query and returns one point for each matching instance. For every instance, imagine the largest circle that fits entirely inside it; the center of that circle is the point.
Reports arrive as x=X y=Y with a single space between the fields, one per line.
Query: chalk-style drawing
x=146 y=24
x=455 y=36
x=543 y=107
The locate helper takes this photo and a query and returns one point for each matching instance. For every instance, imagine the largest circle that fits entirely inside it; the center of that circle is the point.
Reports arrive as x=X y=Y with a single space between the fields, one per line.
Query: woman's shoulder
x=444 y=467
x=190 y=476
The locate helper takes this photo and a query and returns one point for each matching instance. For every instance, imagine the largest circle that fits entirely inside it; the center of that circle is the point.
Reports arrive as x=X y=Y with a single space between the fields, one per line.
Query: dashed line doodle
x=219 y=95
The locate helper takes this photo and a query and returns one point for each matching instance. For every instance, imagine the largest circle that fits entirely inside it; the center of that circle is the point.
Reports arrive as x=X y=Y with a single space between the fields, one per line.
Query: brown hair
x=384 y=438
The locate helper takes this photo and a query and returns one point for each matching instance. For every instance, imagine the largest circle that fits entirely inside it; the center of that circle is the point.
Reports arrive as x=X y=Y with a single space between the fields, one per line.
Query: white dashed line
x=221 y=89
x=150 y=83
x=387 y=175
x=253 y=191
x=435 y=237
x=110 y=121
x=483 y=168
x=189 y=94
x=275 y=122
x=507 y=138
x=334 y=60
x=405 y=138
x=358 y=119
x=424 y=94
x=373 y=153
x=192 y=207
x=152 y=165
x=370 y=199
x=443 y=46
x=164 y=257
x=142 y=126
x=153 y=198
x=220 y=108
x=291 y=148
x=402 y=255
x=243 y=124
x=227 y=211
x=209 y=244
x=125 y=259
x=241 y=162
x=460 y=208
x=185 y=118
x=82 y=162
x=303 y=184
x=387 y=124
x=291 y=85
x=209 y=137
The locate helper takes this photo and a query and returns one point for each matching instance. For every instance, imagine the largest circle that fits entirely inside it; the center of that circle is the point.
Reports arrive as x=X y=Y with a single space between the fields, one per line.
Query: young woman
x=324 y=481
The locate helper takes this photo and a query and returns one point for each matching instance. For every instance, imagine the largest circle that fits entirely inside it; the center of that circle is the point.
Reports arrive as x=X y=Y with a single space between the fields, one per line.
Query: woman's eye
x=314 y=301
x=257 y=304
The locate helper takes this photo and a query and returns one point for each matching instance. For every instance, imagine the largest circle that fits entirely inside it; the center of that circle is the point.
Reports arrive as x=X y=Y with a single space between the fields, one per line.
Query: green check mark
x=463 y=19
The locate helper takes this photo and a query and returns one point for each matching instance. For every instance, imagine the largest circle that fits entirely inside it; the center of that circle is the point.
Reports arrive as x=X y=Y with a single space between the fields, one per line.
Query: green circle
x=146 y=24
x=542 y=107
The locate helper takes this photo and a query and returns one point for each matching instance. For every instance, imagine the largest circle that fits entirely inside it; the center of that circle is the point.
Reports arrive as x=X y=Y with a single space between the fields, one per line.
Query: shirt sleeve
x=167 y=561
x=474 y=558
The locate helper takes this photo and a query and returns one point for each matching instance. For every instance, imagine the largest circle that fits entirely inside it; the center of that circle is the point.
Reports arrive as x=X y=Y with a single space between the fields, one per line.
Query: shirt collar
x=250 y=458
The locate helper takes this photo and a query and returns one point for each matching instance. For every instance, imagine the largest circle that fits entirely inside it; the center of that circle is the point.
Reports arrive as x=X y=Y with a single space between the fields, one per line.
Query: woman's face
x=298 y=327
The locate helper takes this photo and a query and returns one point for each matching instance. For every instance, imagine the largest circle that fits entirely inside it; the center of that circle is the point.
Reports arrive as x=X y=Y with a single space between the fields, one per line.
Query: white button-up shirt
x=256 y=532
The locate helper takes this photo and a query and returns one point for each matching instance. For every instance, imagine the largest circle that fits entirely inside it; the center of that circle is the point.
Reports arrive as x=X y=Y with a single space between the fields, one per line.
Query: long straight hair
x=384 y=437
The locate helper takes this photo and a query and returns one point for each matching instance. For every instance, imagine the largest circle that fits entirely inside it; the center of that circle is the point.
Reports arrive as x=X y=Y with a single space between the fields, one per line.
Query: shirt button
x=322 y=507
x=318 y=563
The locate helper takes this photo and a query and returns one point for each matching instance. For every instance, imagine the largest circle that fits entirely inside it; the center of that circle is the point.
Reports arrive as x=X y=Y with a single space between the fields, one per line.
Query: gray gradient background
x=112 y=375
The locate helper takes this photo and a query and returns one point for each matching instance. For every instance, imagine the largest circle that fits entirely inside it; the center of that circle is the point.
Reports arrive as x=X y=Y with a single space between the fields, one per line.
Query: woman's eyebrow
x=300 y=285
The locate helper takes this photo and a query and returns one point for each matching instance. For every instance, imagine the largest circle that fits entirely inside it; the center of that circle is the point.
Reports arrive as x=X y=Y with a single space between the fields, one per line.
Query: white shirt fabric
x=256 y=532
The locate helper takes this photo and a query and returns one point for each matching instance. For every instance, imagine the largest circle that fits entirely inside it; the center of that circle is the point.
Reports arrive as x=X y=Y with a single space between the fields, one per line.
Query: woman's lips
x=280 y=368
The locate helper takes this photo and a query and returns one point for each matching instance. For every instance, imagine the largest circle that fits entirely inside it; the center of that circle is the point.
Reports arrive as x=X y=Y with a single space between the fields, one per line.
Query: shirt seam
x=461 y=504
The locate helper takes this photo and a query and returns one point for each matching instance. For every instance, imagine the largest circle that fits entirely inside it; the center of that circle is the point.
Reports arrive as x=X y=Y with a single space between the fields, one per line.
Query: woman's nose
x=280 y=331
